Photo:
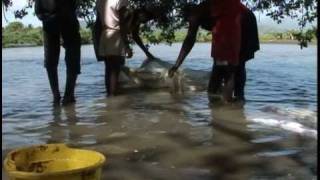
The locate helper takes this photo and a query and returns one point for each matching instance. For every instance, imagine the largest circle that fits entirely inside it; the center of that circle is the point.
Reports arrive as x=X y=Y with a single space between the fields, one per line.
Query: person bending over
x=223 y=19
x=134 y=19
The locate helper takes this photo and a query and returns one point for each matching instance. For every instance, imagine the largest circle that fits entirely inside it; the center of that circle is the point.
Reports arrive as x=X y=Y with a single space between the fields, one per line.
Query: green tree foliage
x=16 y=34
x=305 y=36
x=85 y=36
x=304 y=11
x=15 y=26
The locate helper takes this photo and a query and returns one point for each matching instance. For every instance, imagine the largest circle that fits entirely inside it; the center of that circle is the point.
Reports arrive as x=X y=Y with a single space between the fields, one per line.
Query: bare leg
x=52 y=73
x=240 y=80
x=229 y=84
x=72 y=44
x=215 y=79
x=107 y=76
x=69 y=90
x=113 y=66
x=51 y=37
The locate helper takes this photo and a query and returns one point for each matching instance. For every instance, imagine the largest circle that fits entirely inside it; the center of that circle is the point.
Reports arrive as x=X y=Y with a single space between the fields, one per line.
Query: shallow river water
x=157 y=134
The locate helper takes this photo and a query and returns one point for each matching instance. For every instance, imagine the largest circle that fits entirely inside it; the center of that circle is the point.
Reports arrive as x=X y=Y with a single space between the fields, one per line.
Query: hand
x=129 y=52
x=173 y=70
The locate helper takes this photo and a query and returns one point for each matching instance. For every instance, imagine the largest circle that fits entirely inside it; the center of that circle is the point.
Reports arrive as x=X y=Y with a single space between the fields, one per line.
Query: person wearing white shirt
x=113 y=41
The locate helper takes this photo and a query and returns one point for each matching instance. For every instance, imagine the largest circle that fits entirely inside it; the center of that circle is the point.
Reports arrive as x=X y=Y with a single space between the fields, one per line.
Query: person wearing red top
x=226 y=40
x=246 y=43
x=227 y=31
x=223 y=19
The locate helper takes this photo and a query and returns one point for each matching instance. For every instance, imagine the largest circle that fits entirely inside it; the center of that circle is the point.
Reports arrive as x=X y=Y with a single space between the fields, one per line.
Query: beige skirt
x=111 y=43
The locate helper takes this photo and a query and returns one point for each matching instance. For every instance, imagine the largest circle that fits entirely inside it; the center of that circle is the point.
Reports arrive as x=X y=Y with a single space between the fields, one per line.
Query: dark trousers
x=240 y=80
x=67 y=28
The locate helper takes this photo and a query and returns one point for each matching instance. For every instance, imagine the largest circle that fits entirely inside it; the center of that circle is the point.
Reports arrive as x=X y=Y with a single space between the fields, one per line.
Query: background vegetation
x=16 y=34
x=303 y=11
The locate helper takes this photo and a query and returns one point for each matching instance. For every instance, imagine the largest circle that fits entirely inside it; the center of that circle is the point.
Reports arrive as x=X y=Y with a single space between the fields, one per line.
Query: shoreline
x=261 y=42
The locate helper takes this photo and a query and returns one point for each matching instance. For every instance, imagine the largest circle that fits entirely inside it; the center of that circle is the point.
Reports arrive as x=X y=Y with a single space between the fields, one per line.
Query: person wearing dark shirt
x=59 y=20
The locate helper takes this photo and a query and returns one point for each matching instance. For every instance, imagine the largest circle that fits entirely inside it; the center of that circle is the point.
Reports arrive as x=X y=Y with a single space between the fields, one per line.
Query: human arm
x=137 y=39
x=124 y=31
x=187 y=44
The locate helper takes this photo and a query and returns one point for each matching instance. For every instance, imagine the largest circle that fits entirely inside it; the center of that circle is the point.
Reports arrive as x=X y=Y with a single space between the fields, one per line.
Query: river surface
x=157 y=134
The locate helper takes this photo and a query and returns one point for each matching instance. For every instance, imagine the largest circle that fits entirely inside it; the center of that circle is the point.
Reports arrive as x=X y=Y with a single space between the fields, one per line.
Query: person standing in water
x=59 y=19
x=223 y=19
x=113 y=41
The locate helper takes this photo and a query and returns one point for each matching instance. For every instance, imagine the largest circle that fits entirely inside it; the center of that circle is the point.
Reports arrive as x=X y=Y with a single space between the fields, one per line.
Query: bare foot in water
x=68 y=100
x=56 y=99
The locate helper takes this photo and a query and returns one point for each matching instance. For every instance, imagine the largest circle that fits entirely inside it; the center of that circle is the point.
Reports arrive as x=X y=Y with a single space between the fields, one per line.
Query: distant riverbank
x=18 y=35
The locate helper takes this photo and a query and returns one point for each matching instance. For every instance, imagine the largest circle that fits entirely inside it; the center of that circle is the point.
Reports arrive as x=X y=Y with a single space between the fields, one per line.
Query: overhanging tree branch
x=304 y=11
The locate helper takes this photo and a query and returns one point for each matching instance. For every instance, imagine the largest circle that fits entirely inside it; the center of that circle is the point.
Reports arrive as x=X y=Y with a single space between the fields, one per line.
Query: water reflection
x=60 y=128
x=231 y=156
x=67 y=127
x=159 y=135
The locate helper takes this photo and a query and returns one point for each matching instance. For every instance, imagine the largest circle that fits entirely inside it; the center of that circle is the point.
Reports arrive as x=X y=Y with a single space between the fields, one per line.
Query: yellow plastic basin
x=53 y=162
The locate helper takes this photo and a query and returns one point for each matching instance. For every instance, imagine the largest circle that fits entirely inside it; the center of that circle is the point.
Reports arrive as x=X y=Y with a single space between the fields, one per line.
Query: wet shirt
x=226 y=34
x=109 y=12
